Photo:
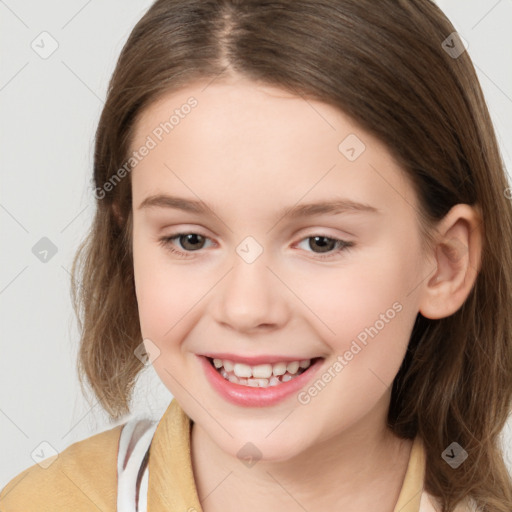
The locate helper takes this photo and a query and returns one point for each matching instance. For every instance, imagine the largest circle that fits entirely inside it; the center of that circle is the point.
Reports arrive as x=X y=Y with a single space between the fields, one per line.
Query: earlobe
x=457 y=255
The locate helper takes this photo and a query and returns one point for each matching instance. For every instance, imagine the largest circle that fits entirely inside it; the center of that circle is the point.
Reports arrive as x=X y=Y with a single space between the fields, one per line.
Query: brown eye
x=191 y=241
x=325 y=246
x=188 y=243
x=324 y=243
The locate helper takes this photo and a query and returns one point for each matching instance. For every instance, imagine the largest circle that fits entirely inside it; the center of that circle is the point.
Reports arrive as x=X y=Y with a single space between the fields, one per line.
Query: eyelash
x=166 y=242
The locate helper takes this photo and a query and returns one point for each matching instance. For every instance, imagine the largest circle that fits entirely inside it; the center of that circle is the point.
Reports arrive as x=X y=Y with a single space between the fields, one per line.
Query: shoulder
x=81 y=477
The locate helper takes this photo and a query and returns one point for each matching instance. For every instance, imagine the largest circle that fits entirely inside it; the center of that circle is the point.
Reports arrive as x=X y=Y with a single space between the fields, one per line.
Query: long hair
x=389 y=67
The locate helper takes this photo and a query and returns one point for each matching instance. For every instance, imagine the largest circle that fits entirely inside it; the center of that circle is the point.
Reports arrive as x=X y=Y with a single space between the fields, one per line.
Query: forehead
x=262 y=110
x=256 y=139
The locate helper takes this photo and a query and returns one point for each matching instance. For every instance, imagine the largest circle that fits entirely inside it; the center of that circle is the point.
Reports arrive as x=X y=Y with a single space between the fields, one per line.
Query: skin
x=247 y=150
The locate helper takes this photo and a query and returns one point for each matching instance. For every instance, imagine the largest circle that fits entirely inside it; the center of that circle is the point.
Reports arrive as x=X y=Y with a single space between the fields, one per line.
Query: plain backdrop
x=49 y=109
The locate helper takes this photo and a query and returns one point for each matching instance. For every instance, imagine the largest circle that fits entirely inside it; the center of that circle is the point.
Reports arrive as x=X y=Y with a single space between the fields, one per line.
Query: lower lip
x=257 y=397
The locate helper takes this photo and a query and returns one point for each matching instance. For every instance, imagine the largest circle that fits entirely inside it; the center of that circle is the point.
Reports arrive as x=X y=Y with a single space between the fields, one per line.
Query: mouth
x=261 y=375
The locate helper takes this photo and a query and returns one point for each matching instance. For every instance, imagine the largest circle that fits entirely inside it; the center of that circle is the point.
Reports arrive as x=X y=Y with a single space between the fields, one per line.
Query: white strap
x=134 y=442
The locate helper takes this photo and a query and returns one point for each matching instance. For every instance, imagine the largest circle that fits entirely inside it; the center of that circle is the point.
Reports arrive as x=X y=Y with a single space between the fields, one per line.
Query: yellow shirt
x=84 y=476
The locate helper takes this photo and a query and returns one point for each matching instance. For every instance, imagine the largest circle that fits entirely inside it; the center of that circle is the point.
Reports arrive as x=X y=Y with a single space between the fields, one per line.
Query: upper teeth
x=261 y=371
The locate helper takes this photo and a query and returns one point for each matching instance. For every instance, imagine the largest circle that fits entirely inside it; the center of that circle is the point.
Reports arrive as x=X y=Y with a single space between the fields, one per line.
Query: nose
x=252 y=297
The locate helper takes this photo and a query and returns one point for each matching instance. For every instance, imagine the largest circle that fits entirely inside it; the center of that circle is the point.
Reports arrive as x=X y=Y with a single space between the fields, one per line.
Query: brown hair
x=383 y=64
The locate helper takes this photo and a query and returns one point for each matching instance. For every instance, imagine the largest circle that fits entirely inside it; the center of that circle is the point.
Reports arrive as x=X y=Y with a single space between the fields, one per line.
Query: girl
x=302 y=224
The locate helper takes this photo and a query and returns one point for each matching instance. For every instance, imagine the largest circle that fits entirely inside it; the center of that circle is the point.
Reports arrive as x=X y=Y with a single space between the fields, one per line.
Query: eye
x=327 y=244
x=192 y=242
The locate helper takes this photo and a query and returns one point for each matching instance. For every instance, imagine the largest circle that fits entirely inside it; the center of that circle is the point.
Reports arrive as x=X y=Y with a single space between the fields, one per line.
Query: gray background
x=49 y=111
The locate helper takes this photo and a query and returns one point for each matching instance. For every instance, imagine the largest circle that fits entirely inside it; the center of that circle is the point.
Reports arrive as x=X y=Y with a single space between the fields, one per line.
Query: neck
x=361 y=468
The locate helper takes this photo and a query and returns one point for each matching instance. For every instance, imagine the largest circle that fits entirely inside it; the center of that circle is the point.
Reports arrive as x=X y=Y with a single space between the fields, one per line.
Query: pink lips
x=256 y=397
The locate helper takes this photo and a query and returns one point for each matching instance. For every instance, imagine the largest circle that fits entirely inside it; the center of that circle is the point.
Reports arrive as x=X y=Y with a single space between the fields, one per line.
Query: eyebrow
x=334 y=206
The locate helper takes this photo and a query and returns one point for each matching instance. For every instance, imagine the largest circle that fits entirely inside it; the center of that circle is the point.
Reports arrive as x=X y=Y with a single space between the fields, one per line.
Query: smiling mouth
x=262 y=375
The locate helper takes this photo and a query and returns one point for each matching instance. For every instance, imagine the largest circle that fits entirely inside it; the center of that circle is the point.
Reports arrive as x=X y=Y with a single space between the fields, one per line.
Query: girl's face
x=252 y=282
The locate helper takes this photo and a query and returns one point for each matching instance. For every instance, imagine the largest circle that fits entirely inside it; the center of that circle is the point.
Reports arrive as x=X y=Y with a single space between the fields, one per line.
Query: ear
x=457 y=257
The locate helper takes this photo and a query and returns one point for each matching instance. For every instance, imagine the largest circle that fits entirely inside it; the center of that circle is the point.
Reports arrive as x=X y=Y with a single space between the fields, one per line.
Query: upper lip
x=255 y=360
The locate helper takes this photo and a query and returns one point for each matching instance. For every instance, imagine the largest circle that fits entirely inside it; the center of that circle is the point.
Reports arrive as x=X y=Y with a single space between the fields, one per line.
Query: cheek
x=367 y=312
x=163 y=299
x=159 y=290
x=169 y=294
x=352 y=298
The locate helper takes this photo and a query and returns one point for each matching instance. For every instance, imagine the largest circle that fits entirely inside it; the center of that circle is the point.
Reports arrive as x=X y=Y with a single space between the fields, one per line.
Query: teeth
x=274 y=381
x=228 y=365
x=292 y=368
x=279 y=369
x=262 y=375
x=242 y=370
x=263 y=371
